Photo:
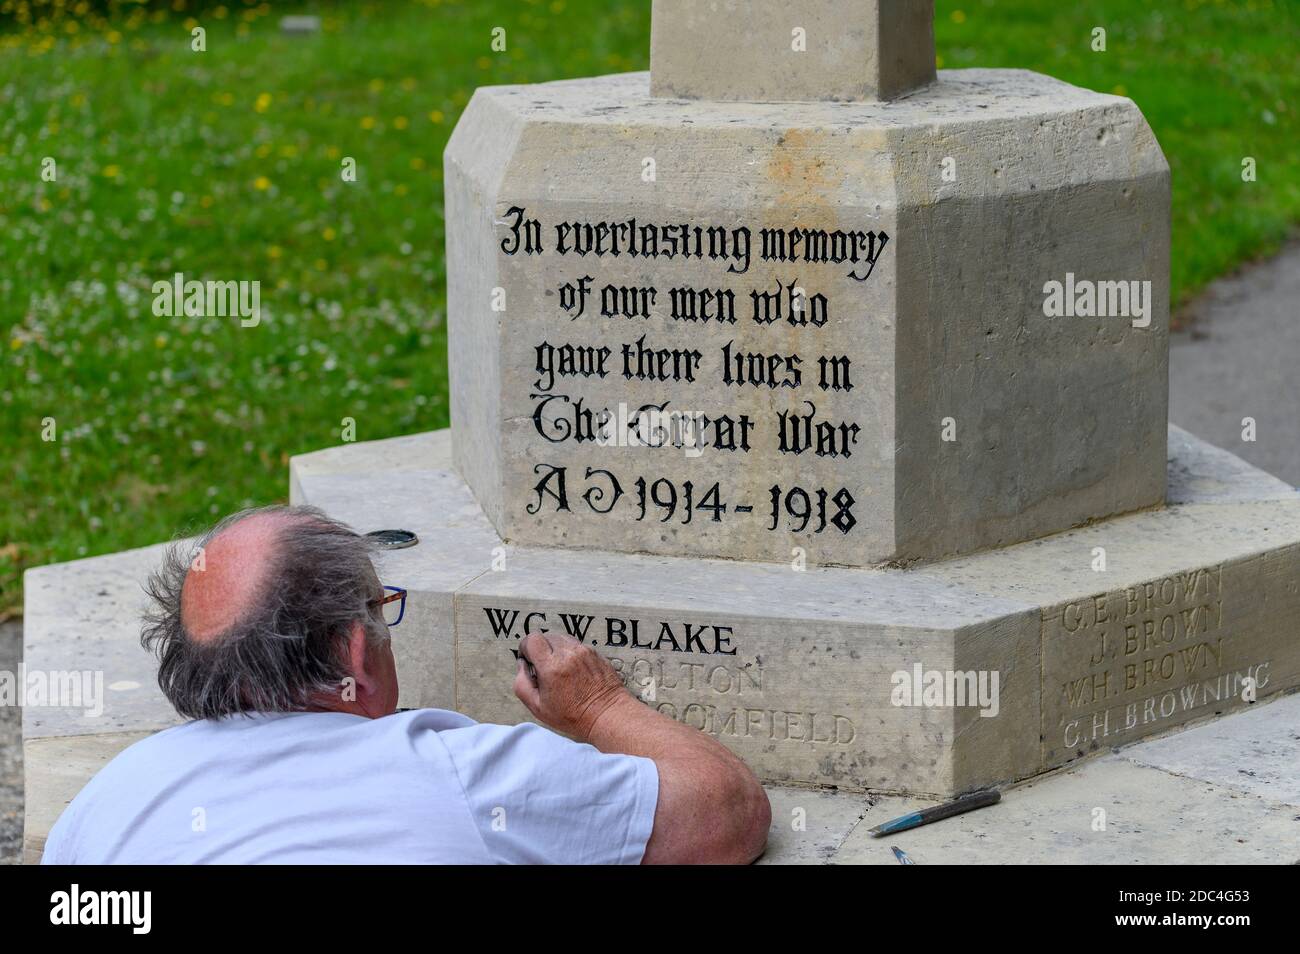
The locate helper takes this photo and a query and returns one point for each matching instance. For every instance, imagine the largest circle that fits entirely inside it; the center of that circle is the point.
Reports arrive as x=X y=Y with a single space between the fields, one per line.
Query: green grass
x=225 y=164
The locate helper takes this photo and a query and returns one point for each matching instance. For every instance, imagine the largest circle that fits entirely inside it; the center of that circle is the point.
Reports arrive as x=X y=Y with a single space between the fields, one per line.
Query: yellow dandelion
x=113 y=37
x=332 y=152
x=274 y=251
x=400 y=122
x=328 y=234
x=263 y=102
x=367 y=122
x=15 y=343
x=206 y=202
x=417 y=162
x=261 y=183
x=1120 y=90
x=160 y=341
x=111 y=172
x=436 y=116
x=958 y=16
x=321 y=265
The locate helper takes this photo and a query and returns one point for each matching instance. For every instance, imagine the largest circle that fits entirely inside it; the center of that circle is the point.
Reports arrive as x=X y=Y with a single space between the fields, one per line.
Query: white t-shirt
x=427 y=786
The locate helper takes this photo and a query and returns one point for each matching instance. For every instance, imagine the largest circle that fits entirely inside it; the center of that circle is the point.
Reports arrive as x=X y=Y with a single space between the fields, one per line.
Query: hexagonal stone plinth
x=830 y=322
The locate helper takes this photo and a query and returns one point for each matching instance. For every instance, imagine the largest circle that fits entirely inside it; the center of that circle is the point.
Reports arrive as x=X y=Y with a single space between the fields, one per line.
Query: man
x=271 y=637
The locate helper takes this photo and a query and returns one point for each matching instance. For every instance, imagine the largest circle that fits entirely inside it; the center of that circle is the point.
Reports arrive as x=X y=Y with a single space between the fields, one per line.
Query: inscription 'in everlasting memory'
x=740 y=346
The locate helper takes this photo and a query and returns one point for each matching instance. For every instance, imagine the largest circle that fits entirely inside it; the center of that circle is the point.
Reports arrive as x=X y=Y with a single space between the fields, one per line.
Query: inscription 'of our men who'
x=726 y=361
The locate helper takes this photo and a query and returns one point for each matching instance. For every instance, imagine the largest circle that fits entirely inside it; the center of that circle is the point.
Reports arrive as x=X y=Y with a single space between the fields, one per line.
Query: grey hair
x=289 y=644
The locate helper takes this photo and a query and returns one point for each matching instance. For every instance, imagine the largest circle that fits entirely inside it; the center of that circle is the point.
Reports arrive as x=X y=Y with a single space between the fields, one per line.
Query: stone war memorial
x=826 y=395
x=759 y=385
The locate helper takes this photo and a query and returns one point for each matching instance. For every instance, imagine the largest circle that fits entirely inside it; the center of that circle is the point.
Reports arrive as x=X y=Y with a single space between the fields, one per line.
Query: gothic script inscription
x=696 y=387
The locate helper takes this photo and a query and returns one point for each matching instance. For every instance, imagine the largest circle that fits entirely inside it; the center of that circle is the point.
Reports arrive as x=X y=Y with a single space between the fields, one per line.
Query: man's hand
x=574 y=685
x=711 y=808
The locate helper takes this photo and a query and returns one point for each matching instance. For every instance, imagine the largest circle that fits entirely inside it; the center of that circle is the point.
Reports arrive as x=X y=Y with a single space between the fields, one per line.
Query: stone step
x=1236 y=774
x=802 y=671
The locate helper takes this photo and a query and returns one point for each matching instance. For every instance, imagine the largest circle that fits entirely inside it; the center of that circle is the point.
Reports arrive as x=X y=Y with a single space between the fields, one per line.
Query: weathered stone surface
x=1057 y=421
x=83 y=617
x=852 y=50
x=790 y=669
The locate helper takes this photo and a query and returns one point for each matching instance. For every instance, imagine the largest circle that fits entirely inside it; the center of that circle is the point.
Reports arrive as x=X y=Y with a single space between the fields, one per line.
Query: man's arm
x=711 y=808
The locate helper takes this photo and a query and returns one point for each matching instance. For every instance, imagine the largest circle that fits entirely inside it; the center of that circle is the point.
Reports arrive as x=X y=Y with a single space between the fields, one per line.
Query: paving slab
x=1256 y=751
x=808 y=826
x=1105 y=811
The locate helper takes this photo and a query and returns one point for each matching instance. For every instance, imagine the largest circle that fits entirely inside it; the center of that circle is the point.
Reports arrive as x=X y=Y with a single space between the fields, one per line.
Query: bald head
x=265 y=615
x=233 y=574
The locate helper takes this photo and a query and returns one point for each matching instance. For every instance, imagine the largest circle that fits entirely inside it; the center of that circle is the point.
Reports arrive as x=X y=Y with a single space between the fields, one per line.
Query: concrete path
x=11 y=751
x=1240 y=358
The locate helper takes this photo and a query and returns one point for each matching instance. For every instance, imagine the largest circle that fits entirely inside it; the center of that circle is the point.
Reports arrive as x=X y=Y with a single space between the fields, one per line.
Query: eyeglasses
x=393 y=605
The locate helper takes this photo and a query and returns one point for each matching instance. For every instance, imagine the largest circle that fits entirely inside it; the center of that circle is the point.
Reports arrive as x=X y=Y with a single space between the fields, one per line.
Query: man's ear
x=359 y=659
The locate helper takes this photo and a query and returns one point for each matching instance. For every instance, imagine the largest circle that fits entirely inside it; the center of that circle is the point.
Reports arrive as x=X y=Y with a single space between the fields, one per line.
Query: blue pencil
x=946 y=810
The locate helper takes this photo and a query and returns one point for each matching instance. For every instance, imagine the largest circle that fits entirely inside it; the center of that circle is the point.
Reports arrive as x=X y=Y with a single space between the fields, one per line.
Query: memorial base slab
x=930 y=680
